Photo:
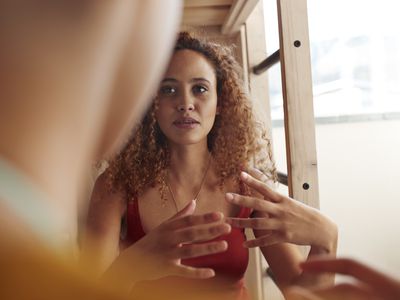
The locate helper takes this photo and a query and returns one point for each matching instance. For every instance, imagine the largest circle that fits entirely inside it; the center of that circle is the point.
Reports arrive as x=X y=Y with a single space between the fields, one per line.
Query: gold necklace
x=197 y=194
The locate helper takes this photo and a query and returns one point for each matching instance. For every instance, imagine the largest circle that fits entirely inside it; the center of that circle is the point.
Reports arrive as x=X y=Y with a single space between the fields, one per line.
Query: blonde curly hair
x=236 y=141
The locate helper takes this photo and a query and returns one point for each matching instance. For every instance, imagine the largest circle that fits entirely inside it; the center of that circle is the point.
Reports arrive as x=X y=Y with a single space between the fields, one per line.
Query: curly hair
x=236 y=141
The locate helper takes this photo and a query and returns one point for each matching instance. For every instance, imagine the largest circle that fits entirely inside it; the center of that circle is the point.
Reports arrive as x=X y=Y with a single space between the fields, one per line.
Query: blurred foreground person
x=74 y=78
x=368 y=284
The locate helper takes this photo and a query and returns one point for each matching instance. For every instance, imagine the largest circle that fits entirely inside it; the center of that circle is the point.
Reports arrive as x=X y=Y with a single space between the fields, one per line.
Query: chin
x=188 y=140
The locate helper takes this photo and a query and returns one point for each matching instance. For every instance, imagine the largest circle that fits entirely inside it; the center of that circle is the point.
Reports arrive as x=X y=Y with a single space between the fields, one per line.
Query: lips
x=186 y=123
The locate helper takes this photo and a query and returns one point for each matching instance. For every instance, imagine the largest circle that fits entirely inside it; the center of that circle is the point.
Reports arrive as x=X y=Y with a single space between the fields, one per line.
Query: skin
x=369 y=284
x=279 y=223
x=189 y=90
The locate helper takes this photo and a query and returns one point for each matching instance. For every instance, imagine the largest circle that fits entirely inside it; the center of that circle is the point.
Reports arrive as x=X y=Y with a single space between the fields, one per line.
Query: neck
x=188 y=164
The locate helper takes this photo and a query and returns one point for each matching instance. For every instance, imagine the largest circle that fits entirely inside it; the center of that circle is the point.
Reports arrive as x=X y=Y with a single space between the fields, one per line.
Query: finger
x=257 y=174
x=346 y=291
x=252 y=202
x=265 y=241
x=350 y=267
x=260 y=187
x=194 y=273
x=193 y=220
x=255 y=223
x=298 y=293
x=200 y=233
x=196 y=250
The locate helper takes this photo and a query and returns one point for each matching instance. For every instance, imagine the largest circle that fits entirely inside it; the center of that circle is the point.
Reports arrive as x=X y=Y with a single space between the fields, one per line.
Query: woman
x=192 y=144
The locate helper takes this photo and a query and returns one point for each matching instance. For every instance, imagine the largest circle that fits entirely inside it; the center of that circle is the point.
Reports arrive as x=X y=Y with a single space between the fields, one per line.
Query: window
x=355 y=56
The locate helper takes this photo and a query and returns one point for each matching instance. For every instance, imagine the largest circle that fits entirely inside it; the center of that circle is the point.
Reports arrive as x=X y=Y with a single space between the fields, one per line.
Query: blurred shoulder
x=105 y=197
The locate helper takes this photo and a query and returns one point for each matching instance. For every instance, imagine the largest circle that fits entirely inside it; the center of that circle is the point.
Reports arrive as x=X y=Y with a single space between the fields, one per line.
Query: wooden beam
x=298 y=101
x=238 y=14
x=254 y=50
x=205 y=16
x=202 y=3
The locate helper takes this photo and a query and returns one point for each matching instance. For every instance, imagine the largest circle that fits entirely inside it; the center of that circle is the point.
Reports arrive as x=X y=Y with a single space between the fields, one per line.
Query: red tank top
x=229 y=266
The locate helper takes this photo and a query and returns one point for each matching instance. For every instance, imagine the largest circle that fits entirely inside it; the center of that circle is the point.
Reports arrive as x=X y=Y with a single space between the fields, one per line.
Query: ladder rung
x=282 y=178
x=267 y=63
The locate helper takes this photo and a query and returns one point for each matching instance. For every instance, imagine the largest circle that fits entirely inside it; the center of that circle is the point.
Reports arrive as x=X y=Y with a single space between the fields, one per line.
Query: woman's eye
x=167 y=90
x=199 y=89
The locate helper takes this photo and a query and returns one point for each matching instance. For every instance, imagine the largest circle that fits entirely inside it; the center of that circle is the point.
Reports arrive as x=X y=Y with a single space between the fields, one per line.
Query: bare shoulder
x=102 y=192
x=105 y=205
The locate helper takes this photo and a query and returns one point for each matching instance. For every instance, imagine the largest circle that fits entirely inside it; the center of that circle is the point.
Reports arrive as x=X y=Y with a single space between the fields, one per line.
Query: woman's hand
x=159 y=253
x=279 y=219
x=370 y=283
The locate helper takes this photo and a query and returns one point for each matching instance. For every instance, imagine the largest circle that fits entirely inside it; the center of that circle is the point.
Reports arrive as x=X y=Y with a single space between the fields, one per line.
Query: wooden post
x=254 y=49
x=298 y=101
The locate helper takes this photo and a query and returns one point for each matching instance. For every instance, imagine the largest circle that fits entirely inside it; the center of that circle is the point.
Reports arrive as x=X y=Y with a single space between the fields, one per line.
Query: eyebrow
x=200 y=79
x=169 y=79
x=192 y=80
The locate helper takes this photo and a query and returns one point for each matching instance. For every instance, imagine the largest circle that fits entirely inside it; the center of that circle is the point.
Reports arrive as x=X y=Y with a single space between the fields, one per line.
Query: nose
x=186 y=101
x=185 y=107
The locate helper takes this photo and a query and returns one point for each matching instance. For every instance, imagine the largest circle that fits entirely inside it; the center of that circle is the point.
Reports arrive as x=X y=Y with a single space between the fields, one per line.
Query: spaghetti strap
x=245 y=212
x=135 y=229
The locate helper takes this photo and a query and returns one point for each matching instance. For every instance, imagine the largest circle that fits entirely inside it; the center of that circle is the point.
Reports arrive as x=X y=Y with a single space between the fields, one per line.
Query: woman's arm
x=100 y=245
x=284 y=260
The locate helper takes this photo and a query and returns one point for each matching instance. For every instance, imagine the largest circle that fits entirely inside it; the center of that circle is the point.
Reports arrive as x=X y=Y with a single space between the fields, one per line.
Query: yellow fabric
x=29 y=271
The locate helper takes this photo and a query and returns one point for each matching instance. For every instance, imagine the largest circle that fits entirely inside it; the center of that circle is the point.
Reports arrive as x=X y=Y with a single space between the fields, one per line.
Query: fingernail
x=224 y=245
x=211 y=273
x=214 y=216
x=229 y=196
x=220 y=215
x=244 y=175
x=224 y=228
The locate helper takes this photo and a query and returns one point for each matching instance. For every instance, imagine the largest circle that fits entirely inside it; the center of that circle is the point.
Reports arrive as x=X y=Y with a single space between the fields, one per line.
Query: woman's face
x=187 y=98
